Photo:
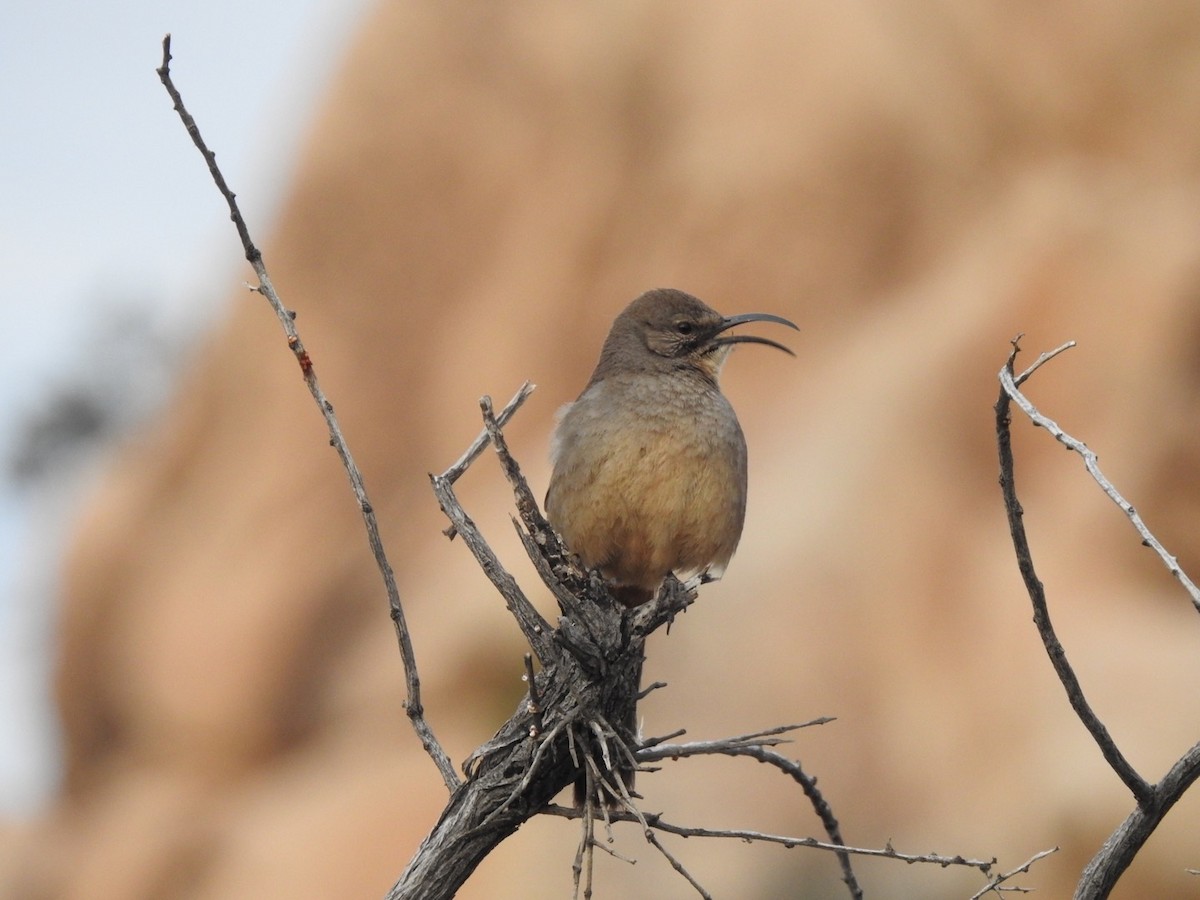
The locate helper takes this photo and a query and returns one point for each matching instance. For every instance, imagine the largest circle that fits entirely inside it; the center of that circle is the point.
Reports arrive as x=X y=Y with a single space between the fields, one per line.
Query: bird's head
x=666 y=329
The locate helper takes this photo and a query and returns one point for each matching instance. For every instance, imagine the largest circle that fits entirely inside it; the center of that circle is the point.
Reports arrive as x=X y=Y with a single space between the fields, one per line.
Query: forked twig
x=994 y=884
x=1153 y=801
x=460 y=465
x=1137 y=785
x=1092 y=462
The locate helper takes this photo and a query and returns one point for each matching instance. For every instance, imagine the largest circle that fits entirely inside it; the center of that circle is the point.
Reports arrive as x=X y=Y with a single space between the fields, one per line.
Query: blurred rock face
x=485 y=188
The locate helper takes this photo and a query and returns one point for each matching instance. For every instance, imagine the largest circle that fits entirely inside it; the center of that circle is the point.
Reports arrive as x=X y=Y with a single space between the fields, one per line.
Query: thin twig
x=460 y=465
x=656 y=749
x=655 y=820
x=1137 y=785
x=535 y=700
x=653 y=840
x=649 y=742
x=536 y=629
x=755 y=746
x=1041 y=360
x=413 y=706
x=583 y=853
x=994 y=883
x=527 y=505
x=1091 y=462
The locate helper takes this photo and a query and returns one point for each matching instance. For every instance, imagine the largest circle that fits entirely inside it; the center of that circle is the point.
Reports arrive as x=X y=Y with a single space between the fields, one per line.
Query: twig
x=755 y=746
x=647 y=691
x=656 y=749
x=460 y=465
x=677 y=865
x=1041 y=360
x=655 y=820
x=527 y=505
x=535 y=700
x=1091 y=462
x=413 y=705
x=994 y=883
x=584 y=853
x=1137 y=785
x=669 y=736
x=536 y=629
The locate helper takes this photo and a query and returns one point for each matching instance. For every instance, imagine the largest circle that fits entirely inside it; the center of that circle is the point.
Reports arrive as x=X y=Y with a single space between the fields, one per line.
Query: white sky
x=102 y=197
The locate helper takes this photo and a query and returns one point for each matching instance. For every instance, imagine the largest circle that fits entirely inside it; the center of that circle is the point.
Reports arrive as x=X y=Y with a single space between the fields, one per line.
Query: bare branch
x=527 y=505
x=656 y=821
x=589 y=678
x=287 y=318
x=1091 y=462
x=1153 y=801
x=461 y=464
x=656 y=749
x=655 y=741
x=535 y=628
x=1137 y=785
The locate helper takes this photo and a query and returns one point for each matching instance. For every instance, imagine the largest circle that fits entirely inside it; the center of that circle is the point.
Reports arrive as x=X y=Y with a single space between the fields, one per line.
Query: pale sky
x=103 y=198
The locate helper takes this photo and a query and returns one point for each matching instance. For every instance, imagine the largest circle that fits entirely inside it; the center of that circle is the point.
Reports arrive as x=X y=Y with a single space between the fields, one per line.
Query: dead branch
x=1153 y=801
x=591 y=664
x=1137 y=785
x=656 y=821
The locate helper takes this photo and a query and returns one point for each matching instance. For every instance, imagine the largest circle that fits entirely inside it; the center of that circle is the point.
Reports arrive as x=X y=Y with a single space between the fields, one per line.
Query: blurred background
x=106 y=287
x=200 y=692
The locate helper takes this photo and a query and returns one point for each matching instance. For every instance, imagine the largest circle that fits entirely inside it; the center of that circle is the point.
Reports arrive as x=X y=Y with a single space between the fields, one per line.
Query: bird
x=649 y=462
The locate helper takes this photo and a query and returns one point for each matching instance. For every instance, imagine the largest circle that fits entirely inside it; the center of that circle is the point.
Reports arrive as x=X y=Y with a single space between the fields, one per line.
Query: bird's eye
x=684 y=327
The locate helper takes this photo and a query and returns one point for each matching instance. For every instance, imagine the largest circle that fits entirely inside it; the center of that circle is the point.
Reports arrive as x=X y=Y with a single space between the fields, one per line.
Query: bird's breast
x=649 y=478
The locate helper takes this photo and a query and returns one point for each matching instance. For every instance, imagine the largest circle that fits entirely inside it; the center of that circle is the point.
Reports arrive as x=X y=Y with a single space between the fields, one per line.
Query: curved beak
x=730 y=321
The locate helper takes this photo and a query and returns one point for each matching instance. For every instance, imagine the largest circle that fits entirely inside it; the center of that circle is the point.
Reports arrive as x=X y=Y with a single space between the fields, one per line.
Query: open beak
x=730 y=321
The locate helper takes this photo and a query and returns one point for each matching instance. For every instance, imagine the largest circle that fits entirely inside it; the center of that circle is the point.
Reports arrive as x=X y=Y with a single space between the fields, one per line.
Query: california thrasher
x=650 y=461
